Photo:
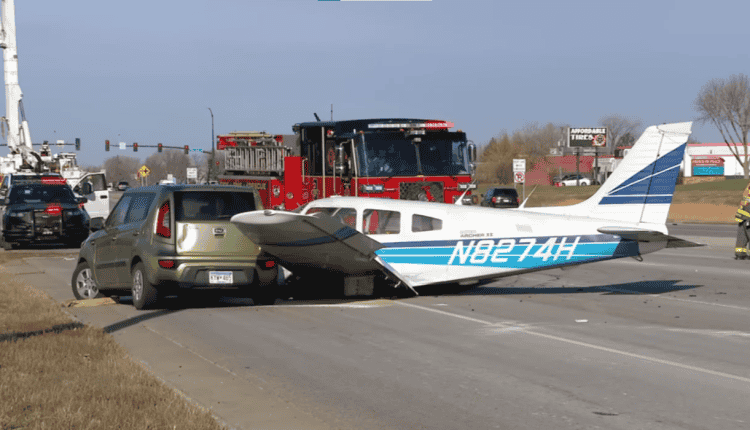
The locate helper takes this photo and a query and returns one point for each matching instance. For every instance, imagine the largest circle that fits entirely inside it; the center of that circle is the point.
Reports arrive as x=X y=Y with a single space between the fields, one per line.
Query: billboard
x=707 y=165
x=587 y=137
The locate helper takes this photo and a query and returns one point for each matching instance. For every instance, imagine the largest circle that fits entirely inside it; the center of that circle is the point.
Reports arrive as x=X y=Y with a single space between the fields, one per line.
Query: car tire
x=8 y=245
x=84 y=286
x=145 y=295
x=265 y=287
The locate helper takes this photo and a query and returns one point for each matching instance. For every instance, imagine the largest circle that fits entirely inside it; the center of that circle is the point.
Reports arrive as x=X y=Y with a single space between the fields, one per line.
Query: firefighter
x=742 y=217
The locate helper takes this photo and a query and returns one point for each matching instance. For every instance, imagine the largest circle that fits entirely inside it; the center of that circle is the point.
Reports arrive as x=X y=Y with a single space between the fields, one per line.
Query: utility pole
x=211 y=161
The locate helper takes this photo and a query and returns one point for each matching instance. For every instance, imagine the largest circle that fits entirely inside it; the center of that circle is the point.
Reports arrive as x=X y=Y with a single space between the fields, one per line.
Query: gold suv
x=163 y=239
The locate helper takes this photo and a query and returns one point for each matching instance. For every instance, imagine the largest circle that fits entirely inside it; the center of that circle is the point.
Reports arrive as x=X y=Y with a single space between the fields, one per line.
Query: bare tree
x=171 y=161
x=122 y=168
x=619 y=126
x=532 y=143
x=725 y=103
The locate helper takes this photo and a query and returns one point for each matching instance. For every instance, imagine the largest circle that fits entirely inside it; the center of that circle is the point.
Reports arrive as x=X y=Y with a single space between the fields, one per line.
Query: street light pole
x=212 y=130
x=211 y=161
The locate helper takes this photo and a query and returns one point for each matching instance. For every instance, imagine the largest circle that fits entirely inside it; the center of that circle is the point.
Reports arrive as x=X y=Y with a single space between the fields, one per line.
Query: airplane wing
x=640 y=235
x=313 y=243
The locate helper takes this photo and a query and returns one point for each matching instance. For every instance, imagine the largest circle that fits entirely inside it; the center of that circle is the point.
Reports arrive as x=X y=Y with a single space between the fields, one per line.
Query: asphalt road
x=658 y=344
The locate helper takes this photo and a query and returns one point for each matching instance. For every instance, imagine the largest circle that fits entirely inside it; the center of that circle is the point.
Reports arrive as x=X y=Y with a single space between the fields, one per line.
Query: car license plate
x=220 y=278
x=46 y=231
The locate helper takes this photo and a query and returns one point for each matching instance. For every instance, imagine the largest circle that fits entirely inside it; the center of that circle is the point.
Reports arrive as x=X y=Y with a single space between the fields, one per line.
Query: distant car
x=570 y=181
x=34 y=212
x=500 y=197
x=163 y=239
x=122 y=186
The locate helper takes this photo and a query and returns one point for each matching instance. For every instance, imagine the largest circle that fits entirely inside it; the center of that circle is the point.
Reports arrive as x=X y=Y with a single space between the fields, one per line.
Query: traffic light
x=106 y=145
x=135 y=146
x=78 y=144
x=187 y=149
x=160 y=147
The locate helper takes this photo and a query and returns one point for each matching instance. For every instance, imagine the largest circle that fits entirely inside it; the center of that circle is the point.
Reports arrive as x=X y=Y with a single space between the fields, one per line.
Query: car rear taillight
x=166 y=264
x=494 y=200
x=518 y=200
x=270 y=264
x=163 y=222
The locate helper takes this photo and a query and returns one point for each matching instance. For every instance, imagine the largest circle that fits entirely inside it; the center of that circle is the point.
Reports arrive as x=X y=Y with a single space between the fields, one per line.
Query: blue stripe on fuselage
x=510 y=253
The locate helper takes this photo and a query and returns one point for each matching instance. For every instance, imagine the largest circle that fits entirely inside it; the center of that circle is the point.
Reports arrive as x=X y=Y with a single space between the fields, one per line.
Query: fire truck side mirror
x=341 y=164
x=472 y=153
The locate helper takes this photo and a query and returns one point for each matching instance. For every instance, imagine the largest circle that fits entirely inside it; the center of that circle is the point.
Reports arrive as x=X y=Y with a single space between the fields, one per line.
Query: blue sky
x=147 y=71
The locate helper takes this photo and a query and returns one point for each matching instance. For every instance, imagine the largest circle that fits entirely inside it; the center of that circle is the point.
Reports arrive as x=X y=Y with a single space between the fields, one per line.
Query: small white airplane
x=414 y=243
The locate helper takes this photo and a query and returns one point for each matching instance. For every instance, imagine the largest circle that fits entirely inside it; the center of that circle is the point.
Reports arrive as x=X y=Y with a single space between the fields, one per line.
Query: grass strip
x=55 y=373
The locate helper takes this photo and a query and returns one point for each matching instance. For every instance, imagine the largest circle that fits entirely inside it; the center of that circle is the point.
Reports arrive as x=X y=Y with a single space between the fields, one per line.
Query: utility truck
x=22 y=157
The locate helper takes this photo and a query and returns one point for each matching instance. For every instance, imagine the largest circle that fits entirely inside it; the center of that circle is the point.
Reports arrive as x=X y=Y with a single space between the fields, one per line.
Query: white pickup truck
x=96 y=192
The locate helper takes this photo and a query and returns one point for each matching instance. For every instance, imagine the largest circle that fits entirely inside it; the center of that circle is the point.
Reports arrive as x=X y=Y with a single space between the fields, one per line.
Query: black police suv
x=34 y=212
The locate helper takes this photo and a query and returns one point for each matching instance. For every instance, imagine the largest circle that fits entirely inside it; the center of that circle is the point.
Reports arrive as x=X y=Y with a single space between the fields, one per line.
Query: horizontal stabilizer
x=640 y=235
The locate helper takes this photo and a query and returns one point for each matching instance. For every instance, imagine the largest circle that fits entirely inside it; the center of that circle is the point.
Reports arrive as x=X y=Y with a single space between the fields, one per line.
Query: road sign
x=122 y=146
x=144 y=171
x=519 y=165
x=519 y=177
x=192 y=173
x=60 y=143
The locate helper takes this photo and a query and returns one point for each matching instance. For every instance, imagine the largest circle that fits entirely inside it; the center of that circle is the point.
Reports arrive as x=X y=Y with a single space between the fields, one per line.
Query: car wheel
x=145 y=295
x=84 y=286
x=8 y=245
x=265 y=287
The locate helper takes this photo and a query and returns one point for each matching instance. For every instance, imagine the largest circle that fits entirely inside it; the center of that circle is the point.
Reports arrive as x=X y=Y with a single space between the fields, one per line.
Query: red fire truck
x=411 y=159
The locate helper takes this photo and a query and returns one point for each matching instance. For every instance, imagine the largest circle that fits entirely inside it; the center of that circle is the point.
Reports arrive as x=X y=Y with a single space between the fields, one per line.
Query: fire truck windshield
x=436 y=153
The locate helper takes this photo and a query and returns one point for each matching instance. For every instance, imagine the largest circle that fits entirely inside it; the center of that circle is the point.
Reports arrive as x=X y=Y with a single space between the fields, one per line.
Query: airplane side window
x=424 y=223
x=327 y=211
x=375 y=221
x=346 y=216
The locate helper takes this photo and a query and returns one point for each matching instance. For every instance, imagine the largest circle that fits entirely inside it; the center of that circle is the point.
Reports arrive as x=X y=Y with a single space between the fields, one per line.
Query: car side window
x=139 y=207
x=117 y=216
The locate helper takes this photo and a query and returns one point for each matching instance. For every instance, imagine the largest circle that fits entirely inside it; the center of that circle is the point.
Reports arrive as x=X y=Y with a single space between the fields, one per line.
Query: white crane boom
x=19 y=138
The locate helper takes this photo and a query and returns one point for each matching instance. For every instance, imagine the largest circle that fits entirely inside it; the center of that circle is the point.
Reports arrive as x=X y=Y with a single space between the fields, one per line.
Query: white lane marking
x=722 y=333
x=548 y=278
x=352 y=305
x=677 y=299
x=590 y=345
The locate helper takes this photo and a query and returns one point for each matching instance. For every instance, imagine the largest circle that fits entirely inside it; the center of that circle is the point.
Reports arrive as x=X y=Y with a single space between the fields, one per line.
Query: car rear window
x=211 y=205
x=504 y=192
x=42 y=194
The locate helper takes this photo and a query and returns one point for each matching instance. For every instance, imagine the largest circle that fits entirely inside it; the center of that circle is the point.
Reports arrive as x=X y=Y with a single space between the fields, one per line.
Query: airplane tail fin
x=640 y=189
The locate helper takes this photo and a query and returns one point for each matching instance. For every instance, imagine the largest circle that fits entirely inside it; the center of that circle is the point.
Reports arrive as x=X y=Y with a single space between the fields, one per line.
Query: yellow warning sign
x=144 y=171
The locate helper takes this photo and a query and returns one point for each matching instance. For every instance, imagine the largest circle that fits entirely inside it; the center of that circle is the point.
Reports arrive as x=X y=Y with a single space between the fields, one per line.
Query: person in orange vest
x=742 y=217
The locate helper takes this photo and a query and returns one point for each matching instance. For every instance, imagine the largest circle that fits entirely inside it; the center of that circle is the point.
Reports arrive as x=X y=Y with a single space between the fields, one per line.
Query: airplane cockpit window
x=425 y=223
x=346 y=216
x=376 y=221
